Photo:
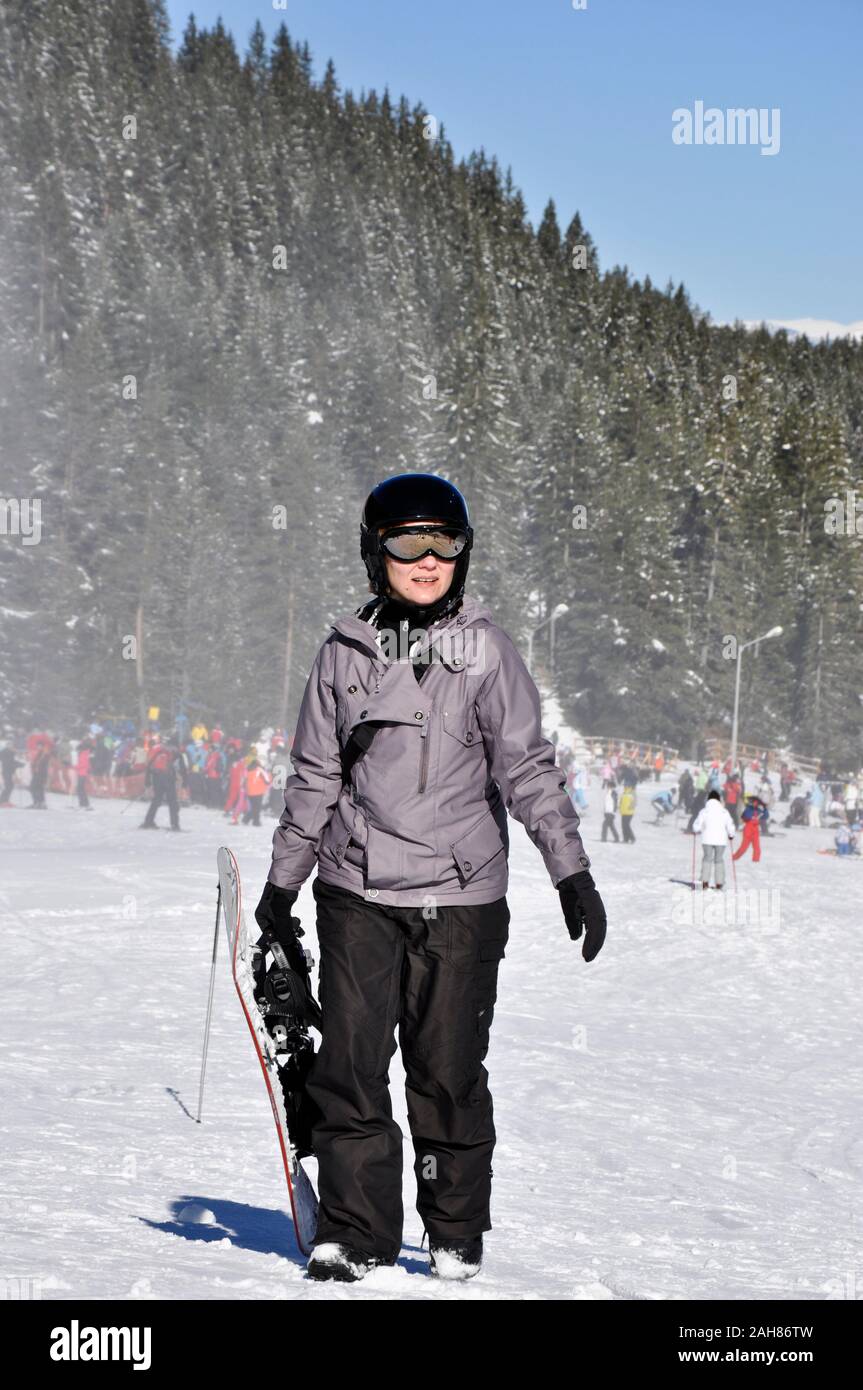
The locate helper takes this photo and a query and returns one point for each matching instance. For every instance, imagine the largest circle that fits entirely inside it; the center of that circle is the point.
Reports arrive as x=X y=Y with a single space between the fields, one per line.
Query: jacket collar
x=471 y=613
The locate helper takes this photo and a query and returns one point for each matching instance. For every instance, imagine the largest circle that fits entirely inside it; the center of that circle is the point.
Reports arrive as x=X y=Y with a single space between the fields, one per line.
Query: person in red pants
x=753 y=818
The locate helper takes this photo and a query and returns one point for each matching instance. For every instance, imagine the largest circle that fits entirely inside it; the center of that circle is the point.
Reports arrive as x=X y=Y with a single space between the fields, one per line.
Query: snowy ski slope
x=680 y=1119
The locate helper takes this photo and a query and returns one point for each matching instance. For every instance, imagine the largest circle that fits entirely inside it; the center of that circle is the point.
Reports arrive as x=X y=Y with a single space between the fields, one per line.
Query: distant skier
x=629 y=775
x=241 y=804
x=766 y=794
x=82 y=772
x=99 y=760
x=732 y=792
x=39 y=768
x=787 y=778
x=406 y=764
x=663 y=804
x=575 y=785
x=214 y=768
x=165 y=764
x=627 y=811
x=258 y=781
x=717 y=829
x=196 y=756
x=609 y=811
x=845 y=839
x=798 y=811
x=236 y=777
x=699 y=799
x=754 y=817
x=816 y=804
x=8 y=766
x=685 y=790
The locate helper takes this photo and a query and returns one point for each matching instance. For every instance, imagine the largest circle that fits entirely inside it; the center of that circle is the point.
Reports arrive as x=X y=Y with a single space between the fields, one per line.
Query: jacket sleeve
x=522 y=760
x=312 y=791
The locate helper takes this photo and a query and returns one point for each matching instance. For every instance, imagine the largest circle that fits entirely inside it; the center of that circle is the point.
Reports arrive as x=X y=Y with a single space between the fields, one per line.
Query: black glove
x=583 y=910
x=273 y=913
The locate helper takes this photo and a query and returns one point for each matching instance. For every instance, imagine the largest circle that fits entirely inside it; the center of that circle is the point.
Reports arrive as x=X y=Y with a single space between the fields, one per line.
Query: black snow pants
x=164 y=791
x=431 y=971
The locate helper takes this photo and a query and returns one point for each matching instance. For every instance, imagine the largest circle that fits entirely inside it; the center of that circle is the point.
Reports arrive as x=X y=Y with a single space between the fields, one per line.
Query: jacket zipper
x=424 y=755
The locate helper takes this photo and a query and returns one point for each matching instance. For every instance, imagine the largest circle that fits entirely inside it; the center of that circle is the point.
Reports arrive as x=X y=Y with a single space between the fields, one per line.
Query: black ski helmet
x=413 y=497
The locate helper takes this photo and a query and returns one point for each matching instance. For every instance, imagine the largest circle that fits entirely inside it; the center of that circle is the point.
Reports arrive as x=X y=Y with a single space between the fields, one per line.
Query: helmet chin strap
x=403 y=607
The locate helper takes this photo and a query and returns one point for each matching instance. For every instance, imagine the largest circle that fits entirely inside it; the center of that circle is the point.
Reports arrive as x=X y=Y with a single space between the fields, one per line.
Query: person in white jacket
x=609 y=811
x=716 y=829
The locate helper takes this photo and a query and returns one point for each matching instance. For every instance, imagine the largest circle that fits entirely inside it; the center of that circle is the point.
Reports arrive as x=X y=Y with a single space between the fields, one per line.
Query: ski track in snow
x=680 y=1119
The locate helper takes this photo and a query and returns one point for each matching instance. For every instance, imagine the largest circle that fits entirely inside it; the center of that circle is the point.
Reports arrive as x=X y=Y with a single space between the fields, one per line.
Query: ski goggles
x=412 y=542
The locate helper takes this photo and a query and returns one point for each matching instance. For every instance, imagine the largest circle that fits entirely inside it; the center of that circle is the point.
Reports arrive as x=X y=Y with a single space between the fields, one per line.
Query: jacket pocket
x=462 y=725
x=385 y=859
x=338 y=834
x=474 y=850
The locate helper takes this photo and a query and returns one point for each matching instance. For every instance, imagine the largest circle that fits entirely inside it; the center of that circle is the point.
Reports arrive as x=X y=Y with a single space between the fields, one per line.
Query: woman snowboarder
x=419 y=728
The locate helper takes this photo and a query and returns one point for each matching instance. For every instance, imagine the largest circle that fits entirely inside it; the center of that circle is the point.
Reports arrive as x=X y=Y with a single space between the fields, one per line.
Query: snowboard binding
x=283 y=994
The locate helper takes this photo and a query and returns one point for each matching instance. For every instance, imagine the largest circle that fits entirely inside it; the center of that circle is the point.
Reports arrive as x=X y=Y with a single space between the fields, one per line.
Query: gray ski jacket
x=421 y=818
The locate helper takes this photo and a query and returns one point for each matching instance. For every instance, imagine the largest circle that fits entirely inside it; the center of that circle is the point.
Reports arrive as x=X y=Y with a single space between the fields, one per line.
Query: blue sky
x=579 y=103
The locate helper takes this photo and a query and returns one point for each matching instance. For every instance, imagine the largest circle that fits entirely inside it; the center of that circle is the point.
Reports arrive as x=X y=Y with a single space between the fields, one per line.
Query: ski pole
x=694 y=837
x=129 y=801
x=733 y=865
x=209 y=1002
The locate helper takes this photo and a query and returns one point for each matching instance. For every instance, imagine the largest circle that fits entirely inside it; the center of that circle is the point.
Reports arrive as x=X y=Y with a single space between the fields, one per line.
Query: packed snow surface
x=679 y=1119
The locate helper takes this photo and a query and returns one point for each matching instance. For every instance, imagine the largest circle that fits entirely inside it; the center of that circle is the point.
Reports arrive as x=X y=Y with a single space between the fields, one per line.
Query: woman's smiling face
x=421 y=581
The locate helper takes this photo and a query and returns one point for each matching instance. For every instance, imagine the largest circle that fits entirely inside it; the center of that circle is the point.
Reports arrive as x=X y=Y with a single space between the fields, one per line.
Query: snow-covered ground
x=680 y=1119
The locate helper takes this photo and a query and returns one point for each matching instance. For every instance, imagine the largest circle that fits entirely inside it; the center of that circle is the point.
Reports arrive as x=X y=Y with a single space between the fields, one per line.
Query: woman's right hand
x=273 y=913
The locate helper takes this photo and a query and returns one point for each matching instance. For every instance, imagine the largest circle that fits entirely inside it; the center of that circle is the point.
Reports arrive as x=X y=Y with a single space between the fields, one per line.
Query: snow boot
x=342 y=1262
x=455 y=1259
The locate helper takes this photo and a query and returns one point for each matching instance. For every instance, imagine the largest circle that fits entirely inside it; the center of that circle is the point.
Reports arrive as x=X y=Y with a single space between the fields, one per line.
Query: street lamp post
x=552 y=618
x=774 y=632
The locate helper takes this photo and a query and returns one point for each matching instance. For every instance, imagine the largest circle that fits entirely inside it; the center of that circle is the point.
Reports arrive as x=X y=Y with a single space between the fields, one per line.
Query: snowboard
x=276 y=1055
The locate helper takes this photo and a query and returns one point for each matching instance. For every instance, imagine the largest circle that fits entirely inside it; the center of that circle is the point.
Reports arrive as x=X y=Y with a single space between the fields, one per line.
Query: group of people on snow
x=240 y=777
x=614 y=803
x=202 y=765
x=745 y=794
x=218 y=772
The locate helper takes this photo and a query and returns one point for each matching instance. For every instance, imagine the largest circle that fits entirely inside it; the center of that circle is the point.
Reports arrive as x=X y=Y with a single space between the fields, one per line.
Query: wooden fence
x=599 y=747
x=602 y=746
